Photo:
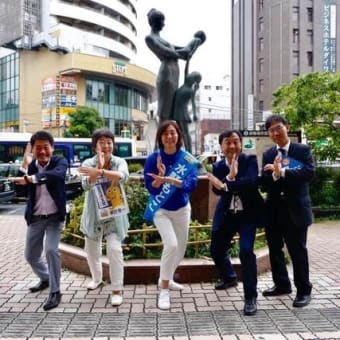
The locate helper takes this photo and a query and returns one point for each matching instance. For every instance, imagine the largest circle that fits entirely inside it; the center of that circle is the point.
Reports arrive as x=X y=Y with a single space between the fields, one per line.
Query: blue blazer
x=54 y=178
x=293 y=188
x=245 y=186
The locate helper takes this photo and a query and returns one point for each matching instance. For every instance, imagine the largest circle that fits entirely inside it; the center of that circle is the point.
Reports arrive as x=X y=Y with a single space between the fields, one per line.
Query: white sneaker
x=93 y=285
x=164 y=299
x=172 y=285
x=116 y=300
x=175 y=286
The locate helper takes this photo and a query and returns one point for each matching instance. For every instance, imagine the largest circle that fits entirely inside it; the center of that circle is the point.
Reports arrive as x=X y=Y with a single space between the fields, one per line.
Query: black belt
x=46 y=216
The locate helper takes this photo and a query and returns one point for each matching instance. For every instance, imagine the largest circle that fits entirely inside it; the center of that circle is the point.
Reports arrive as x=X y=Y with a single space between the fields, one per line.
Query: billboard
x=11 y=21
x=59 y=98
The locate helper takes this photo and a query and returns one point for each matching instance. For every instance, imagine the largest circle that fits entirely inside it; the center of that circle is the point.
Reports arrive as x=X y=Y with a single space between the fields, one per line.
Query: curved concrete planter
x=147 y=271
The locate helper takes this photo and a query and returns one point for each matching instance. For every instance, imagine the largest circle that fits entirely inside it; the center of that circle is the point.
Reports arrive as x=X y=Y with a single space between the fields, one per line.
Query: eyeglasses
x=274 y=129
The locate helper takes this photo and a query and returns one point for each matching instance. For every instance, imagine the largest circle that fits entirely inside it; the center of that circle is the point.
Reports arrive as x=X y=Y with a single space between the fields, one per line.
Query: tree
x=312 y=102
x=83 y=121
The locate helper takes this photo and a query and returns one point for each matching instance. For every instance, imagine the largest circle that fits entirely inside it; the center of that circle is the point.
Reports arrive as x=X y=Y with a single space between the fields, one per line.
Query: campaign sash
x=185 y=165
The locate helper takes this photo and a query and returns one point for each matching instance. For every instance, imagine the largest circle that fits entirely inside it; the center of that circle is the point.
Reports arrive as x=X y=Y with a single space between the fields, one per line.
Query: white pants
x=173 y=226
x=115 y=255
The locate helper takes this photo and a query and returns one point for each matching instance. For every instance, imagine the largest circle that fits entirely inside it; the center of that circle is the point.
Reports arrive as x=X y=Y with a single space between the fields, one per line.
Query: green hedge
x=325 y=188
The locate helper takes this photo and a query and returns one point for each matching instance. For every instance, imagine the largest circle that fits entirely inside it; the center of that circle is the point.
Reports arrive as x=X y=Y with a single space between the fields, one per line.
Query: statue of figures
x=183 y=96
x=168 y=54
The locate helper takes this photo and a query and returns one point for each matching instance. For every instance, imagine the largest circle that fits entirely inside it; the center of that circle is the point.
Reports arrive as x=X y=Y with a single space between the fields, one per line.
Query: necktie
x=283 y=152
x=284 y=158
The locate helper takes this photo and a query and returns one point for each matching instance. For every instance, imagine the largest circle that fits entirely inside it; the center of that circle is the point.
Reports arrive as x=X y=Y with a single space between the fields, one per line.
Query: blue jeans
x=221 y=243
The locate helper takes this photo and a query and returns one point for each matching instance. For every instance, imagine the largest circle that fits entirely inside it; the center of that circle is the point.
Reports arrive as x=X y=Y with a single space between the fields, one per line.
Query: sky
x=182 y=19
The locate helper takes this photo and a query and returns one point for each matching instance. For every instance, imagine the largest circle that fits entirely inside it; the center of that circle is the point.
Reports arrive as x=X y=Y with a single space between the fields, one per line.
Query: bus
x=75 y=150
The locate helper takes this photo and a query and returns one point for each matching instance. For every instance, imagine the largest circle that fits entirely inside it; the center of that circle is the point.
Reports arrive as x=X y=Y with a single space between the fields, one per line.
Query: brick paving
x=198 y=312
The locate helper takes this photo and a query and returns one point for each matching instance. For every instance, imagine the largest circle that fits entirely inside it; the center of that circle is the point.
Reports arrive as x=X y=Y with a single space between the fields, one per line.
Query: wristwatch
x=223 y=186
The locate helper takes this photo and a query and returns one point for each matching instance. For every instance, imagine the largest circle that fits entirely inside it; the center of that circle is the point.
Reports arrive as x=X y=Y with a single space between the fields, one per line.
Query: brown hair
x=161 y=129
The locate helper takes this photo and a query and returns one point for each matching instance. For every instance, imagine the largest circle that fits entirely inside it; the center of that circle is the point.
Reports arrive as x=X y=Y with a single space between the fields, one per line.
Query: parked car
x=7 y=192
x=72 y=183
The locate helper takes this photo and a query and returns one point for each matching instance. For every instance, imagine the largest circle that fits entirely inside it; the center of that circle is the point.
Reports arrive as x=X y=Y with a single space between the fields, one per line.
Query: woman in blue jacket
x=170 y=175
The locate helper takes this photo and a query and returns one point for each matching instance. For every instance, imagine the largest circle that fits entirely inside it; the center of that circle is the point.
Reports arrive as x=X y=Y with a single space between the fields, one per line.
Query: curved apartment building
x=98 y=27
x=71 y=53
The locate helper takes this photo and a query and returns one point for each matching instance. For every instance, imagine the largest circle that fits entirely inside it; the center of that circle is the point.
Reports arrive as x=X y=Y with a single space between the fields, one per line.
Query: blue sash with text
x=184 y=165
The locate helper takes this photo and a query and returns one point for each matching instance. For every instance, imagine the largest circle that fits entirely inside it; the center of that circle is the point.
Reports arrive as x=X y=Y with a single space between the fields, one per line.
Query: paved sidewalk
x=198 y=312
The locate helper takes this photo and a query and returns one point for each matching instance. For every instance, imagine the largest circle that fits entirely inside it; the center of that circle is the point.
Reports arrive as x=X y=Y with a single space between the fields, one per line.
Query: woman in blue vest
x=170 y=175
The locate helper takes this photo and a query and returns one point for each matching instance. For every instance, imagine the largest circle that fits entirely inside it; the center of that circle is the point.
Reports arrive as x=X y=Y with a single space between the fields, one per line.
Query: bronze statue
x=183 y=96
x=168 y=54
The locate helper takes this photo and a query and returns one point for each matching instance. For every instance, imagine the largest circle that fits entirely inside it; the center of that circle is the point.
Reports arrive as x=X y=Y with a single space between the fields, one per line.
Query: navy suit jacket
x=54 y=178
x=245 y=186
x=293 y=188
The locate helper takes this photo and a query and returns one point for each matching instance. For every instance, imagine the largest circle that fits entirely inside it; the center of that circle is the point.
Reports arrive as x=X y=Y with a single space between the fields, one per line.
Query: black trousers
x=282 y=231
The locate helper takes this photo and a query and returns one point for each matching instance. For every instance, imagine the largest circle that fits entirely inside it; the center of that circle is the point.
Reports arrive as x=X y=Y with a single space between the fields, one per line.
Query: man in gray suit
x=44 y=175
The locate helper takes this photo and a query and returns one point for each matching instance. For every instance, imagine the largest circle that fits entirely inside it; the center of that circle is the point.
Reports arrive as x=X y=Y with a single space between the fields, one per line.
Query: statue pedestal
x=203 y=201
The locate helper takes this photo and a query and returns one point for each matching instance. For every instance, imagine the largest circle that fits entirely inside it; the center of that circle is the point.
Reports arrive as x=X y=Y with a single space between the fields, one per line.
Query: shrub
x=325 y=187
x=135 y=242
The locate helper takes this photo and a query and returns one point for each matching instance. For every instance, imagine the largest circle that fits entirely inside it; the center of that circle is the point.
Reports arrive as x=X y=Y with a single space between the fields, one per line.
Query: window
x=295 y=35
x=219 y=87
x=261 y=85
x=310 y=58
x=296 y=62
x=261 y=4
x=261 y=24
x=296 y=13
x=310 y=36
x=261 y=44
x=310 y=14
x=261 y=105
x=261 y=64
x=207 y=87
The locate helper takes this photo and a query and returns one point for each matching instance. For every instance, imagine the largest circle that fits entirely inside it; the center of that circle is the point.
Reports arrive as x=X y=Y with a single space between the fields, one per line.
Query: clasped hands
x=92 y=172
x=217 y=183
x=160 y=178
x=275 y=167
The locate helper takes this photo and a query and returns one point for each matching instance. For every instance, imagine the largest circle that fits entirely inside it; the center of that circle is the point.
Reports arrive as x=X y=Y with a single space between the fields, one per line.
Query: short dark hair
x=42 y=135
x=228 y=133
x=99 y=133
x=161 y=129
x=275 y=119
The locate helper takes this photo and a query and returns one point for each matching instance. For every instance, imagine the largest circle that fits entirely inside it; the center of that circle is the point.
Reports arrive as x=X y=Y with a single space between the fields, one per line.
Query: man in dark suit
x=288 y=168
x=235 y=180
x=44 y=175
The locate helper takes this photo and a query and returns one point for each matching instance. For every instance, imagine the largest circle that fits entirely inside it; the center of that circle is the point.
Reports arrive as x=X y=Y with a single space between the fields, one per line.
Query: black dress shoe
x=250 y=307
x=275 y=291
x=53 y=301
x=302 y=300
x=40 y=286
x=219 y=285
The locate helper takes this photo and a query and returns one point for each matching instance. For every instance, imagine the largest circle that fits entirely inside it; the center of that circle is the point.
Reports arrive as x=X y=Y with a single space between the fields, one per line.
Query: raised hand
x=100 y=157
x=160 y=166
x=233 y=167
x=28 y=156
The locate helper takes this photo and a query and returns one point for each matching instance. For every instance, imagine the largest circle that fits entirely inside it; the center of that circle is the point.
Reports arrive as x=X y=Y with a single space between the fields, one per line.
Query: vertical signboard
x=59 y=98
x=329 y=36
x=250 y=120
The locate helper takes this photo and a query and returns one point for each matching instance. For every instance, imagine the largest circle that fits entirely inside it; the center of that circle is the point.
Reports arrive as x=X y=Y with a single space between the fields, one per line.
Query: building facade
x=68 y=53
x=213 y=112
x=275 y=42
